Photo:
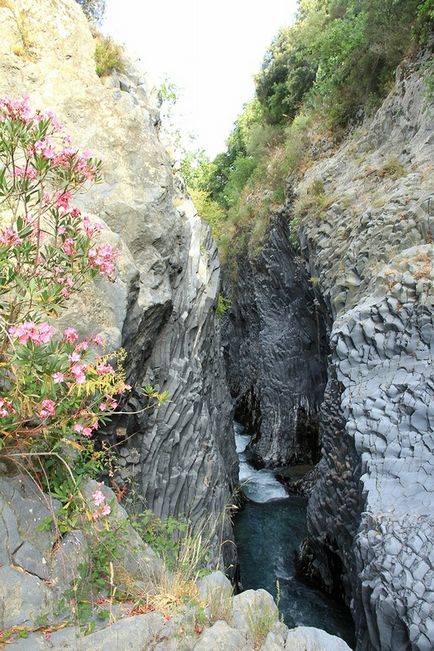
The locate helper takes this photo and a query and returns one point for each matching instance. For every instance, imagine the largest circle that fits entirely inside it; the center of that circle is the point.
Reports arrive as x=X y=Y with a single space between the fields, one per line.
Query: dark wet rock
x=275 y=346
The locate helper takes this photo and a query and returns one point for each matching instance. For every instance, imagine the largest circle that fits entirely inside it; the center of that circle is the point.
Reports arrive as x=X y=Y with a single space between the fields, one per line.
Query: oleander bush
x=55 y=388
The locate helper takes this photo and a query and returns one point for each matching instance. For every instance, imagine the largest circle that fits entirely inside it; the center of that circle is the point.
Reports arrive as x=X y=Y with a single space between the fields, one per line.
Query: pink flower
x=49 y=115
x=69 y=246
x=90 y=228
x=84 y=430
x=102 y=258
x=104 y=369
x=102 y=508
x=108 y=403
x=74 y=357
x=8 y=237
x=61 y=230
x=58 y=378
x=25 y=172
x=38 y=333
x=77 y=370
x=45 y=149
x=98 y=340
x=16 y=109
x=47 y=409
x=83 y=345
x=6 y=408
x=98 y=497
x=84 y=167
x=62 y=199
x=70 y=335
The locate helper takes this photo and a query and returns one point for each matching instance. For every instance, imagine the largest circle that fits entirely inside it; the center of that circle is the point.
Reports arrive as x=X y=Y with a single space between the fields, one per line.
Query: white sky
x=209 y=48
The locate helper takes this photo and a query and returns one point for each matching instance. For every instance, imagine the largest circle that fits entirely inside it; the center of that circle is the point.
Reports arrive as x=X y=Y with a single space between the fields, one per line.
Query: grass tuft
x=108 y=56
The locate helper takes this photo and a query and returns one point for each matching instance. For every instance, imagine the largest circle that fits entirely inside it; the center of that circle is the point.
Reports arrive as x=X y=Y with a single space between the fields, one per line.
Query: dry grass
x=424 y=264
x=219 y=604
x=21 y=19
x=108 y=56
x=174 y=588
x=314 y=202
x=260 y=624
x=392 y=168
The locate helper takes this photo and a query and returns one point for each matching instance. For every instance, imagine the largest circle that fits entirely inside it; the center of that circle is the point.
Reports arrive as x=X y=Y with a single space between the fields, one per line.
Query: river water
x=268 y=531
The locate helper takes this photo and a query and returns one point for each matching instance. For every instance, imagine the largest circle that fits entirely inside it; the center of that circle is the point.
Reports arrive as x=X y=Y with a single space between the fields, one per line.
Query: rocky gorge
x=358 y=292
x=325 y=355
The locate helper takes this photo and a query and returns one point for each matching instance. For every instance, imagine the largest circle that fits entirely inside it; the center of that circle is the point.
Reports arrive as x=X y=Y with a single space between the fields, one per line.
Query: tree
x=94 y=9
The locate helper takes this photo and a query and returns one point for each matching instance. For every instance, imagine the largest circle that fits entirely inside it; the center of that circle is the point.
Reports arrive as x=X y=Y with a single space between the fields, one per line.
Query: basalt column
x=275 y=348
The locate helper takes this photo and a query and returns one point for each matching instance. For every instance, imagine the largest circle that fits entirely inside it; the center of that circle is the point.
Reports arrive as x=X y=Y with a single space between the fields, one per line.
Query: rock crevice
x=275 y=347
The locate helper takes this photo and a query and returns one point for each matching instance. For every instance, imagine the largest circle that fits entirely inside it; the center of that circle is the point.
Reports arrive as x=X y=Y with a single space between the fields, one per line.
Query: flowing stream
x=268 y=531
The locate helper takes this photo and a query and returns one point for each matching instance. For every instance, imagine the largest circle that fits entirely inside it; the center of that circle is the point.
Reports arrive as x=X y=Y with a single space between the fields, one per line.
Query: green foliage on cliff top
x=318 y=77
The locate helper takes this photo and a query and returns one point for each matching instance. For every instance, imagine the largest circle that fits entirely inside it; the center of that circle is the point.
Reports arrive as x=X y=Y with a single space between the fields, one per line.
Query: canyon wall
x=371 y=511
x=275 y=347
x=370 y=254
x=161 y=305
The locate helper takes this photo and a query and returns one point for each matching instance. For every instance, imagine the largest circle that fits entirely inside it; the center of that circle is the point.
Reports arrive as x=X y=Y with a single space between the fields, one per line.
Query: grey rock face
x=132 y=634
x=220 y=636
x=275 y=346
x=370 y=514
x=217 y=620
x=25 y=552
x=313 y=638
x=187 y=454
x=161 y=305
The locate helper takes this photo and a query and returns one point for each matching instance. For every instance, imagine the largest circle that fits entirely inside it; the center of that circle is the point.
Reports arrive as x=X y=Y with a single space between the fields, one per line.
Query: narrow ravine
x=268 y=531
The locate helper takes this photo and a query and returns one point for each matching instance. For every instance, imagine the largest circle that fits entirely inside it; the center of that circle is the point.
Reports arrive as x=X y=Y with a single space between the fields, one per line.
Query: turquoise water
x=267 y=535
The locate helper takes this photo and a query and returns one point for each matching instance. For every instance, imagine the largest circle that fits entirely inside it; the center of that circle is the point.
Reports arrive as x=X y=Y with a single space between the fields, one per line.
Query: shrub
x=223 y=305
x=210 y=211
x=314 y=202
x=108 y=56
x=54 y=389
x=261 y=623
x=393 y=168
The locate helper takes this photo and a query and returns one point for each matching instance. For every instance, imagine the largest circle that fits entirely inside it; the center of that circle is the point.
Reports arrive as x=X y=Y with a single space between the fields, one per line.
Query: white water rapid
x=258 y=485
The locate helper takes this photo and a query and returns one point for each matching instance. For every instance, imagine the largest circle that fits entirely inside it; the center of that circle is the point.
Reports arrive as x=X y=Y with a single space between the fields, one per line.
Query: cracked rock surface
x=370 y=514
x=275 y=348
x=161 y=305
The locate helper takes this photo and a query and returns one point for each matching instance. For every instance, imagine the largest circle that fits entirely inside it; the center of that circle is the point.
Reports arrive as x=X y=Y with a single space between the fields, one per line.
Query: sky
x=210 y=50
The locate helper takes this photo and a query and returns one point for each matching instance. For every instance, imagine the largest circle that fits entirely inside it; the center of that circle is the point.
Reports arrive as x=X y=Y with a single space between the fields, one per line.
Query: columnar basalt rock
x=161 y=306
x=370 y=514
x=275 y=346
x=371 y=254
